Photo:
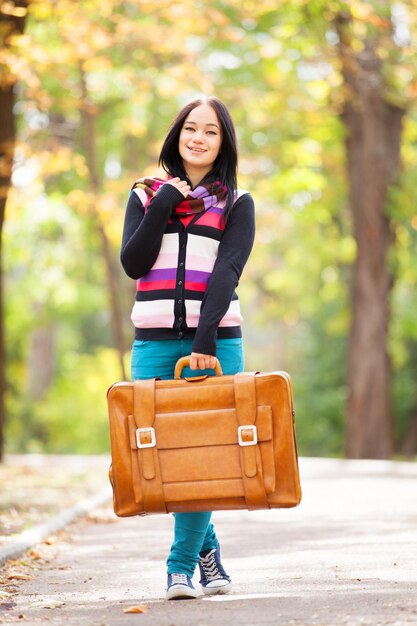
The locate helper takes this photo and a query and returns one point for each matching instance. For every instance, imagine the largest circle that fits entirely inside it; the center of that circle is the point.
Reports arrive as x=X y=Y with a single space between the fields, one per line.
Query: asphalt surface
x=346 y=556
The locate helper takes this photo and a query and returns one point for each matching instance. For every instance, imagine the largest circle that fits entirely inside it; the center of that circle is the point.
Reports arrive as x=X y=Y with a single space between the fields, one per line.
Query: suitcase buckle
x=148 y=440
x=247 y=435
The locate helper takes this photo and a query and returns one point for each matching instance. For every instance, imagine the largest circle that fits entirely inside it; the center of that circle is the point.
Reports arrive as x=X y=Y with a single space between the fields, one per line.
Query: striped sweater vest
x=157 y=300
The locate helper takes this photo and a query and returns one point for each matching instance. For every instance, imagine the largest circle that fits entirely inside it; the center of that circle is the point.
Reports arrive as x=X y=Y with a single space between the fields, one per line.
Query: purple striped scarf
x=198 y=200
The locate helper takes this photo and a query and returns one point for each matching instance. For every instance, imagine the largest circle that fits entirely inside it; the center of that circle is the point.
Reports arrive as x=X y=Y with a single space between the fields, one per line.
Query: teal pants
x=193 y=532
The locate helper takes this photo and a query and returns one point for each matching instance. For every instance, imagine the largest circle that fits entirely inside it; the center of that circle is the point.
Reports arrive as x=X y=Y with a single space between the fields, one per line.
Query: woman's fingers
x=181 y=185
x=202 y=361
x=184 y=187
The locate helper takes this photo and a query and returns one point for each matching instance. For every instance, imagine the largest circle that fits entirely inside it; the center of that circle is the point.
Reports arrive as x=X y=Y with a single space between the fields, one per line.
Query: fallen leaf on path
x=19 y=577
x=16 y=562
x=12 y=588
x=48 y=604
x=34 y=555
x=140 y=608
x=50 y=540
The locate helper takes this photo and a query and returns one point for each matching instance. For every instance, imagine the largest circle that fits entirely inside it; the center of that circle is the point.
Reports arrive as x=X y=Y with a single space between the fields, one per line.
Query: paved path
x=346 y=556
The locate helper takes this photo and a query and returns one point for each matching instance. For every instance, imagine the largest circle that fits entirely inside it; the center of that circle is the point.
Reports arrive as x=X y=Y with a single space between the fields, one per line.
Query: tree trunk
x=12 y=23
x=7 y=137
x=88 y=116
x=373 y=134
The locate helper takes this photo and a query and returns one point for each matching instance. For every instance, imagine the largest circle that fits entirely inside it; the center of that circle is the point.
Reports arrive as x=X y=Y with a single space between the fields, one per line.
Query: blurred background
x=323 y=95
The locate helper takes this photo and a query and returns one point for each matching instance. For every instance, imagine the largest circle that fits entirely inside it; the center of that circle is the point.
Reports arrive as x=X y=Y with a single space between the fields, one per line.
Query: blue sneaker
x=213 y=577
x=180 y=587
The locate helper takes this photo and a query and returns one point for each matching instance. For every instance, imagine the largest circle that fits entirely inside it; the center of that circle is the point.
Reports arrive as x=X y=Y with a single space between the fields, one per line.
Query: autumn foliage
x=95 y=86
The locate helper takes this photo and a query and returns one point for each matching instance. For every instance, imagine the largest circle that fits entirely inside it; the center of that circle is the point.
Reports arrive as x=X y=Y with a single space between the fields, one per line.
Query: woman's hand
x=202 y=361
x=179 y=184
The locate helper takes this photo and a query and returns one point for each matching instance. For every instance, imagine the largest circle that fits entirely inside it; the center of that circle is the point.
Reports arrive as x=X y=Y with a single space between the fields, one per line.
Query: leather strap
x=250 y=457
x=150 y=472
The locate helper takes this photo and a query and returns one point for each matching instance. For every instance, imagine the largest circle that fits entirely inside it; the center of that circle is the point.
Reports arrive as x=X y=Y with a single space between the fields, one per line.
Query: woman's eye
x=209 y=132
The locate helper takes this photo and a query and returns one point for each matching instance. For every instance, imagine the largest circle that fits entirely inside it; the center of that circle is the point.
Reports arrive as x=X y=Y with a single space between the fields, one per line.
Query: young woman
x=186 y=240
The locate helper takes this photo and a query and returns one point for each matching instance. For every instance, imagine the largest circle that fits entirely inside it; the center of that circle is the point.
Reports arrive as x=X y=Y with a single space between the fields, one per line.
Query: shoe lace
x=209 y=565
x=180 y=579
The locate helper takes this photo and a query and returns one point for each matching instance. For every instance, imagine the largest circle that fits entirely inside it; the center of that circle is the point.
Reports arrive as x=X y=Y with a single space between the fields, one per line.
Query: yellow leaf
x=140 y=608
x=97 y=64
x=8 y=8
x=361 y=10
x=41 y=10
x=21 y=41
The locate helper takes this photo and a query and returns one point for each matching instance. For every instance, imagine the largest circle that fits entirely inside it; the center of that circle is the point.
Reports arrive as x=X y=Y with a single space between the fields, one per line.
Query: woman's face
x=200 y=139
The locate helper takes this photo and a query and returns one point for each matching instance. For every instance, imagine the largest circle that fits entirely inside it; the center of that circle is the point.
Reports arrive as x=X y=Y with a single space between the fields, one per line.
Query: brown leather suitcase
x=203 y=444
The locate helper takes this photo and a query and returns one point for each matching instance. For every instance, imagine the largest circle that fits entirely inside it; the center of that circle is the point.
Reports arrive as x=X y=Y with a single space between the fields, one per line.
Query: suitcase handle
x=184 y=361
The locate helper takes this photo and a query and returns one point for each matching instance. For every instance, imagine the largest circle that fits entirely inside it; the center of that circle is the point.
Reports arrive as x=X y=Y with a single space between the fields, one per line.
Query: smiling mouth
x=196 y=149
